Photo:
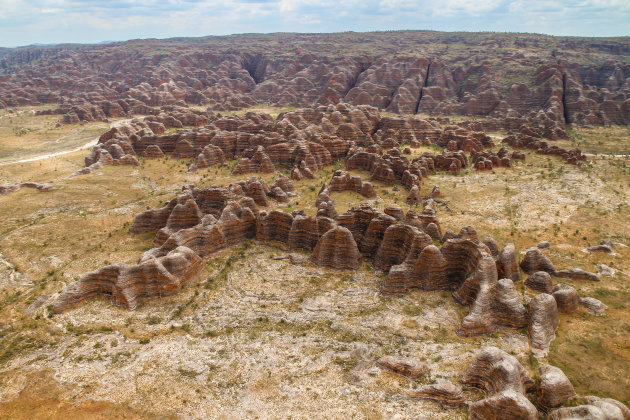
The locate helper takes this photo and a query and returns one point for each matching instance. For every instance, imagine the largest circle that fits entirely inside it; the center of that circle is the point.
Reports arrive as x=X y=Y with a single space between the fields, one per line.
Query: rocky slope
x=552 y=80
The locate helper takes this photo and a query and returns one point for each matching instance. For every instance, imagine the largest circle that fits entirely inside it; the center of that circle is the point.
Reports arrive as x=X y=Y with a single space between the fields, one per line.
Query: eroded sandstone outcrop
x=337 y=249
x=593 y=306
x=444 y=392
x=553 y=388
x=534 y=260
x=126 y=284
x=540 y=281
x=577 y=274
x=6 y=189
x=495 y=306
x=507 y=264
x=543 y=323
x=505 y=382
x=567 y=298
x=404 y=366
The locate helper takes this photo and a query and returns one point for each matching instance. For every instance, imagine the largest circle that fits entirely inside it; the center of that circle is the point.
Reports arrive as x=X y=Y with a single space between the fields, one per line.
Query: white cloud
x=28 y=21
x=609 y=4
x=469 y=7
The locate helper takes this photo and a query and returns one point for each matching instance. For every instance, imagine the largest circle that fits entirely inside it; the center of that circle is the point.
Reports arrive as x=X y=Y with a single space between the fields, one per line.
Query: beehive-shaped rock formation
x=274 y=226
x=307 y=230
x=444 y=392
x=553 y=388
x=505 y=382
x=540 y=281
x=534 y=260
x=337 y=249
x=126 y=284
x=497 y=305
x=507 y=264
x=414 y=196
x=153 y=152
x=543 y=323
x=184 y=215
x=258 y=163
x=210 y=155
x=567 y=298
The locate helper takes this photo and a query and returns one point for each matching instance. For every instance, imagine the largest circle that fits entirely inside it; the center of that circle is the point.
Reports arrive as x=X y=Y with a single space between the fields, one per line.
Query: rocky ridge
x=556 y=81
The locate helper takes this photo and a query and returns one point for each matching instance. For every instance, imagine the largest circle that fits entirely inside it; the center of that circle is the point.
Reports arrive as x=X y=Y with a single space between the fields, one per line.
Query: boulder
x=581 y=412
x=593 y=306
x=600 y=248
x=608 y=405
x=606 y=271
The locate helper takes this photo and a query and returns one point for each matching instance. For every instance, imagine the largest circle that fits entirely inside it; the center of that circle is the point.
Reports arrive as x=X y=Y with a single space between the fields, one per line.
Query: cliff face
x=552 y=79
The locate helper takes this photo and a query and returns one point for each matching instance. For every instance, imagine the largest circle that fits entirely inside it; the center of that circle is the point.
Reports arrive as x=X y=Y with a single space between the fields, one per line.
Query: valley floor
x=258 y=337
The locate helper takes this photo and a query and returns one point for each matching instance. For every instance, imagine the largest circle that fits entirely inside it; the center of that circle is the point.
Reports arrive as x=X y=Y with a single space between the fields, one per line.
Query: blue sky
x=25 y=22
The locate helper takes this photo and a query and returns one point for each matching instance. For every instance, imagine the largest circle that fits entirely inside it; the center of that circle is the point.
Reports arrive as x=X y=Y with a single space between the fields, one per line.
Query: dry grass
x=24 y=136
x=43 y=397
x=611 y=140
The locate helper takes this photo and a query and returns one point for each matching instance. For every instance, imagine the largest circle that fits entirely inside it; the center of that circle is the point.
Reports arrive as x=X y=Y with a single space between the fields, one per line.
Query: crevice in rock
x=565 y=112
x=256 y=66
x=424 y=84
x=362 y=68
